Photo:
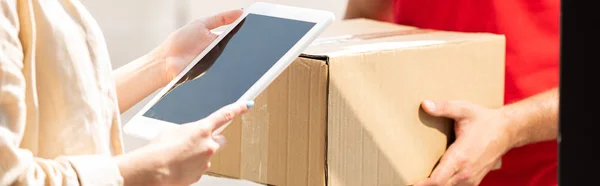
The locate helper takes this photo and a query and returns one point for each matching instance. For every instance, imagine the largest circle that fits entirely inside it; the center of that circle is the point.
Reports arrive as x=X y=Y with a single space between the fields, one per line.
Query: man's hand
x=484 y=135
x=482 y=138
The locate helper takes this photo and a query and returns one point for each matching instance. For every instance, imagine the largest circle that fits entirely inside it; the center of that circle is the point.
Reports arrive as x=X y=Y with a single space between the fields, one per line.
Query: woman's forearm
x=138 y=79
x=139 y=168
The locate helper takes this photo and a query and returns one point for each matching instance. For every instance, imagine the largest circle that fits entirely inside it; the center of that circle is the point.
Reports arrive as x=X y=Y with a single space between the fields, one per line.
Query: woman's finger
x=224 y=115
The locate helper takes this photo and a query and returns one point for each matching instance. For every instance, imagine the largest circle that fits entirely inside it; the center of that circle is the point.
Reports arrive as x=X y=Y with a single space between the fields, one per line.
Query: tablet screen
x=230 y=68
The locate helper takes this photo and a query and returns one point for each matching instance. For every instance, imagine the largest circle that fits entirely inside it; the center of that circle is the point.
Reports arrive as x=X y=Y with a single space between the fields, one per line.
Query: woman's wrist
x=137 y=168
x=138 y=79
x=157 y=65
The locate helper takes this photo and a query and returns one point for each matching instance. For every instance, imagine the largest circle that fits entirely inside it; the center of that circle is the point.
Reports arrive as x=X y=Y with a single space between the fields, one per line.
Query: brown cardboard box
x=347 y=112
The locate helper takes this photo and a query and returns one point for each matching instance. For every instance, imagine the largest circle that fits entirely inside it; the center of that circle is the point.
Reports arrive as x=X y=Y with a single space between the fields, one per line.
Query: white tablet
x=237 y=66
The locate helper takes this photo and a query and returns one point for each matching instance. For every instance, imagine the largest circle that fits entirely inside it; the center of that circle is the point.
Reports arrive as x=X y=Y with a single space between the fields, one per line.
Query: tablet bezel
x=148 y=128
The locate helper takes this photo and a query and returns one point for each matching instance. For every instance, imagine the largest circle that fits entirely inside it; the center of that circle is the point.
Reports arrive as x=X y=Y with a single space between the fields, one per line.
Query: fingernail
x=250 y=104
x=429 y=104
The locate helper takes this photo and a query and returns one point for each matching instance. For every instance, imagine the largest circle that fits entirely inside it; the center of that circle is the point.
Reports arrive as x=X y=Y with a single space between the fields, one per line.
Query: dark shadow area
x=440 y=124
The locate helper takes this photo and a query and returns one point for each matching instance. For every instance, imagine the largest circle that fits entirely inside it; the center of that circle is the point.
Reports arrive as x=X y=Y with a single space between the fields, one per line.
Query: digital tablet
x=237 y=66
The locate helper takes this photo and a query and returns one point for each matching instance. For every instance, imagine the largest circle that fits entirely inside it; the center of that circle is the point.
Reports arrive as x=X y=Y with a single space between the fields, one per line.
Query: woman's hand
x=183 y=45
x=179 y=156
x=156 y=69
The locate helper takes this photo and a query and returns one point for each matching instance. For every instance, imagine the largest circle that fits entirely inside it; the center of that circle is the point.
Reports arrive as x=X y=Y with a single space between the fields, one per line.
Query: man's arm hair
x=534 y=119
x=381 y=10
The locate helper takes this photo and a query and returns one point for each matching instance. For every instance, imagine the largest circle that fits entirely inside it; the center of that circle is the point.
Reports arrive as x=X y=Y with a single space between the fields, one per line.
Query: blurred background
x=134 y=27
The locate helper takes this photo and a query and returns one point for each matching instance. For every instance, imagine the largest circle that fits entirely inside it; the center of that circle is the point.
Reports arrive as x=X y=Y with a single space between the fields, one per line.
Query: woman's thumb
x=220 y=139
x=220 y=19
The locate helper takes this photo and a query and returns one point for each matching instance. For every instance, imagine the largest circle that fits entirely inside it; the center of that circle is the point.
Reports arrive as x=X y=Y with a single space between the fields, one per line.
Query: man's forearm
x=138 y=79
x=534 y=119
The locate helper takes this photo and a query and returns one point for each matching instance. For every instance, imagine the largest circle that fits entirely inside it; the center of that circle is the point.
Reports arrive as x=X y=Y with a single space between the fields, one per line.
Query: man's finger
x=450 y=109
x=440 y=176
x=453 y=181
x=220 y=19
x=449 y=165
x=443 y=172
x=224 y=115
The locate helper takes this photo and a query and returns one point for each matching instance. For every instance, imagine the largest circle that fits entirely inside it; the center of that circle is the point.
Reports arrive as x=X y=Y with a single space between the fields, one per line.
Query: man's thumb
x=450 y=109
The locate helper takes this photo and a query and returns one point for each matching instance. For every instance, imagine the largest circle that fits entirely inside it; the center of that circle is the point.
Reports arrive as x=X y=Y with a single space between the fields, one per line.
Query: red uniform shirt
x=531 y=28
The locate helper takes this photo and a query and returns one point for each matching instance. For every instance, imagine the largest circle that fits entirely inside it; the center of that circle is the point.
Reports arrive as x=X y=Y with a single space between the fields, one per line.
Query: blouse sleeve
x=19 y=166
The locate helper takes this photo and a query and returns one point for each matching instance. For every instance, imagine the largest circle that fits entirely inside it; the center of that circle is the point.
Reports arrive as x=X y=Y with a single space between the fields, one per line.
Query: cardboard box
x=347 y=112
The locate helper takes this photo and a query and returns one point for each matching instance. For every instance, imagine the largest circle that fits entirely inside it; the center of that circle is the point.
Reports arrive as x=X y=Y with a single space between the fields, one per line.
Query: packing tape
x=367 y=36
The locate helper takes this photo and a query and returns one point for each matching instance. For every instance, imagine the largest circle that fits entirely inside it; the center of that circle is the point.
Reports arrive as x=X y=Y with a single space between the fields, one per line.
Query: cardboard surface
x=281 y=141
x=347 y=112
x=378 y=135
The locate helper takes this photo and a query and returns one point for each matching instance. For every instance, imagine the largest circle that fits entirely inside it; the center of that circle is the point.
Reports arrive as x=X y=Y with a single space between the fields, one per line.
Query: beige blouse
x=59 y=118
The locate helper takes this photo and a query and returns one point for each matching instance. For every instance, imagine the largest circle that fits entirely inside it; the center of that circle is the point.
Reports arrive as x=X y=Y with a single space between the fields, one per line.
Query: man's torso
x=532 y=53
